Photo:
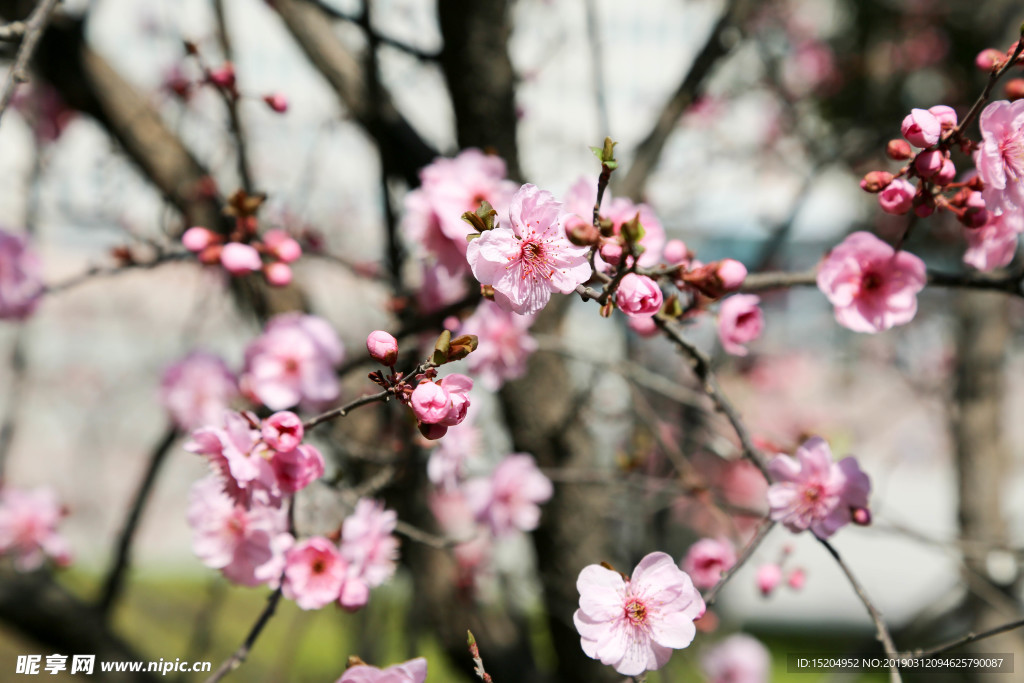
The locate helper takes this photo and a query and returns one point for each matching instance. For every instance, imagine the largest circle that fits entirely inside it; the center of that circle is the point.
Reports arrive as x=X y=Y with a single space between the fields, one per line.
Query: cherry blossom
x=737 y=659
x=528 y=261
x=740 y=321
x=1000 y=158
x=872 y=286
x=21 y=281
x=236 y=452
x=382 y=347
x=638 y=296
x=994 y=244
x=579 y=200
x=293 y=362
x=298 y=468
x=28 y=527
x=634 y=624
x=314 y=573
x=921 y=128
x=198 y=389
x=707 y=560
x=367 y=542
x=247 y=545
x=505 y=344
x=413 y=671
x=510 y=498
x=768 y=577
x=282 y=431
x=812 y=492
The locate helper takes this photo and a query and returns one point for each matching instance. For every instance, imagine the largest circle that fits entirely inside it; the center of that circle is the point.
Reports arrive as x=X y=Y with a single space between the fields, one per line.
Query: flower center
x=533 y=258
x=812 y=494
x=870 y=282
x=1011 y=151
x=319 y=566
x=636 y=612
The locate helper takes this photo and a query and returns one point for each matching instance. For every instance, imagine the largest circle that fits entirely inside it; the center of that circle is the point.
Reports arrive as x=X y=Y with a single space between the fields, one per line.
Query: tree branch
x=34 y=27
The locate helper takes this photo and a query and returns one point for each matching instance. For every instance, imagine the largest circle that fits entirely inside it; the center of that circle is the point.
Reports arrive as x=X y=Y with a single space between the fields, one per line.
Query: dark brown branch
x=34 y=27
x=344 y=410
x=702 y=367
x=715 y=47
x=876 y=616
x=114 y=583
x=748 y=551
x=411 y=50
x=240 y=655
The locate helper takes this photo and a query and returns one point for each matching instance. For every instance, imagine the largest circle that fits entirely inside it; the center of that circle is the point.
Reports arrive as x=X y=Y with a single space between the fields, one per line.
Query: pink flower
x=368 y=544
x=921 y=128
x=314 y=573
x=737 y=659
x=768 y=578
x=812 y=492
x=247 y=545
x=298 y=468
x=676 y=252
x=382 y=347
x=430 y=402
x=197 y=390
x=28 y=527
x=580 y=200
x=897 y=197
x=235 y=452
x=797 y=578
x=293 y=362
x=505 y=344
x=413 y=671
x=195 y=239
x=707 y=560
x=638 y=295
x=528 y=261
x=447 y=460
x=21 y=281
x=282 y=431
x=994 y=244
x=509 y=499
x=945 y=114
x=634 y=624
x=1000 y=159
x=278 y=274
x=739 y=322
x=239 y=259
x=448 y=189
x=872 y=286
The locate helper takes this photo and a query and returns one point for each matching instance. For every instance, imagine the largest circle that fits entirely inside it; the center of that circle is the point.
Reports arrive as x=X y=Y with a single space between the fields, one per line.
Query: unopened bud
x=989 y=59
x=876 y=181
x=223 y=76
x=277 y=102
x=861 y=516
x=611 y=252
x=675 y=251
x=580 y=232
x=1014 y=89
x=928 y=163
x=383 y=347
x=197 y=238
x=278 y=274
x=462 y=346
x=432 y=432
x=632 y=230
x=898 y=149
x=731 y=274
x=441 y=348
x=211 y=254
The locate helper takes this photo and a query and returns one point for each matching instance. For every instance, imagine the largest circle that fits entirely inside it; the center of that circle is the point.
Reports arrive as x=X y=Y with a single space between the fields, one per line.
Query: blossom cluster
x=28 y=527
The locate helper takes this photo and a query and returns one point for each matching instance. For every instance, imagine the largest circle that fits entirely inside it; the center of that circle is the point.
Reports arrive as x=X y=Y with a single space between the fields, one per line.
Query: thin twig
x=597 y=66
x=983 y=97
x=702 y=367
x=230 y=97
x=105 y=271
x=34 y=27
x=239 y=656
x=762 y=532
x=344 y=410
x=12 y=31
x=876 y=616
x=965 y=640
x=114 y=583
x=416 y=52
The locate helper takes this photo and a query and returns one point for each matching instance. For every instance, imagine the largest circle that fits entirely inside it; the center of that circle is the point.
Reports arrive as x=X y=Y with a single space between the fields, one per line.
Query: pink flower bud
x=945 y=114
x=383 y=347
x=638 y=295
x=921 y=128
x=458 y=387
x=277 y=102
x=282 y=431
x=989 y=59
x=924 y=209
x=897 y=197
x=898 y=150
x=580 y=232
x=975 y=212
x=768 y=578
x=676 y=252
x=1014 y=89
x=196 y=239
x=876 y=181
x=731 y=273
x=928 y=163
x=239 y=259
x=298 y=468
x=432 y=432
x=278 y=274
x=946 y=174
x=430 y=403
x=861 y=516
x=211 y=254
x=796 y=579
x=223 y=76
x=611 y=252
x=282 y=245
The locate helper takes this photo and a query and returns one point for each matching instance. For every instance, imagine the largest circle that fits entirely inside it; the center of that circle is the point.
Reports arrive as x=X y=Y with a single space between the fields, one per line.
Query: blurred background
x=744 y=125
